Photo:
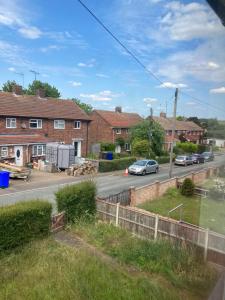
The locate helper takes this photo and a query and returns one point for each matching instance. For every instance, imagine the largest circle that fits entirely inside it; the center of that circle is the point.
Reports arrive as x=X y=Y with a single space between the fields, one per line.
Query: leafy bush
x=22 y=222
x=163 y=159
x=108 y=147
x=77 y=200
x=116 y=164
x=120 y=141
x=187 y=147
x=141 y=148
x=202 y=148
x=188 y=187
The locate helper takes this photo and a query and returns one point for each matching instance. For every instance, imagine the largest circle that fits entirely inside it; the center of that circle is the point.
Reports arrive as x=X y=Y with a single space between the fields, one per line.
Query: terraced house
x=27 y=123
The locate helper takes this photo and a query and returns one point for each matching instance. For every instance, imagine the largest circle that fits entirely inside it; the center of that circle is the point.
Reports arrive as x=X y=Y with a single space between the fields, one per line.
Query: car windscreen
x=140 y=163
x=181 y=157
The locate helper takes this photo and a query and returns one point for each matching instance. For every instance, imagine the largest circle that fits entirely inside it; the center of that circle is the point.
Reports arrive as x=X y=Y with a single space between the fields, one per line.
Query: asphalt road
x=106 y=184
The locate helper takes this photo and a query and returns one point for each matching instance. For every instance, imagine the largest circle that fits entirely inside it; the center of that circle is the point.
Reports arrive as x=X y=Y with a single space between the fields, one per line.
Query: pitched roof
x=33 y=106
x=23 y=139
x=120 y=119
x=167 y=124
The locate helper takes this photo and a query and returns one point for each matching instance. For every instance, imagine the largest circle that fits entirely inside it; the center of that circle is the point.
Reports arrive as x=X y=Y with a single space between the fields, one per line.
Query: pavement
x=44 y=185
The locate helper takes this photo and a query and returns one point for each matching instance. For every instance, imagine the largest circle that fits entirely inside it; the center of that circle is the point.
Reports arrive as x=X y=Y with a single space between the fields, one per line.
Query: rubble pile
x=86 y=168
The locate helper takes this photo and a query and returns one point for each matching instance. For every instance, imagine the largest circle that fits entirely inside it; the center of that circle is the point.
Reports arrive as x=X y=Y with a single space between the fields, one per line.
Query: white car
x=143 y=167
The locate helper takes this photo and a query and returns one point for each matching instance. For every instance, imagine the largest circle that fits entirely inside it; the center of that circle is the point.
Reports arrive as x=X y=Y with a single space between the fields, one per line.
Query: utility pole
x=173 y=133
x=35 y=74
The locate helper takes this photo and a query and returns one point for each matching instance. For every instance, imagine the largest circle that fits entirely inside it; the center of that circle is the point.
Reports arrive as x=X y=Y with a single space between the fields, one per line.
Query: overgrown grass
x=199 y=211
x=46 y=270
x=181 y=265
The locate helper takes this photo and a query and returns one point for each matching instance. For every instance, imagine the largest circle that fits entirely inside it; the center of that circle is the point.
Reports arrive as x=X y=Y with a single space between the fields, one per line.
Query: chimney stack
x=17 y=90
x=163 y=114
x=40 y=93
x=118 y=109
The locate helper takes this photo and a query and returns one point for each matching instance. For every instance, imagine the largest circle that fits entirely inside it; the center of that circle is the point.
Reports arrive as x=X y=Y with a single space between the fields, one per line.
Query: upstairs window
x=35 y=123
x=77 y=124
x=4 y=151
x=118 y=131
x=59 y=124
x=10 y=122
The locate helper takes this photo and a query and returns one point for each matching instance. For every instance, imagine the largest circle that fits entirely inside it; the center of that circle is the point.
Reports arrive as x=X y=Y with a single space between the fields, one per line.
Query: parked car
x=198 y=158
x=183 y=160
x=208 y=156
x=143 y=167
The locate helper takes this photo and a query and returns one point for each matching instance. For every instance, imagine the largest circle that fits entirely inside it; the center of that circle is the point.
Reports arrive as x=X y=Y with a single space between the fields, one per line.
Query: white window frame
x=76 y=123
x=127 y=147
x=38 y=150
x=57 y=124
x=38 y=122
x=11 y=121
x=118 y=130
x=4 y=152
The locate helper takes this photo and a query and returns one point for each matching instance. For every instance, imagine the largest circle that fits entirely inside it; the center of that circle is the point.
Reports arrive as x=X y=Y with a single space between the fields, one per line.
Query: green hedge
x=163 y=159
x=24 y=221
x=77 y=200
x=188 y=187
x=116 y=164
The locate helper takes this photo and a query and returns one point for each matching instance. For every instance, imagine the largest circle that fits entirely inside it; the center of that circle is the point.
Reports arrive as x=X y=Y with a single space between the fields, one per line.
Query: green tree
x=150 y=131
x=86 y=107
x=141 y=148
x=50 y=91
x=8 y=86
x=181 y=118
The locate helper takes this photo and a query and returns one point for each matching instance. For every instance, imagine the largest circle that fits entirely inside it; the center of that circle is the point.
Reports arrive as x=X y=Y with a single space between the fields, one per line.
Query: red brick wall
x=62 y=135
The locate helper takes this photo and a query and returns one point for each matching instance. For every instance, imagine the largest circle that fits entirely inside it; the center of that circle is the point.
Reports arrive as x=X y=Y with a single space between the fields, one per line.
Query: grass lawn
x=180 y=269
x=199 y=211
x=47 y=270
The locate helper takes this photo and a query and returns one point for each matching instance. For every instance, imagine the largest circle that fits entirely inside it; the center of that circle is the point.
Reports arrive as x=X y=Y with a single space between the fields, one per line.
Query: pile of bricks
x=86 y=168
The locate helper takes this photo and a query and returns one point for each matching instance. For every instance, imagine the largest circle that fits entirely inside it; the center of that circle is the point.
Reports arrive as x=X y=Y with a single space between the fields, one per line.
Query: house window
x=127 y=131
x=39 y=150
x=36 y=123
x=4 y=151
x=10 y=122
x=59 y=124
x=118 y=131
x=77 y=124
x=127 y=146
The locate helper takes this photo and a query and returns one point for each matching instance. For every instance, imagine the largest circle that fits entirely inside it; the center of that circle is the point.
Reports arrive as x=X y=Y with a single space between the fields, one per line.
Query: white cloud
x=49 y=48
x=101 y=96
x=75 y=83
x=12 y=69
x=149 y=100
x=30 y=32
x=212 y=65
x=172 y=85
x=191 y=103
x=102 y=75
x=220 y=90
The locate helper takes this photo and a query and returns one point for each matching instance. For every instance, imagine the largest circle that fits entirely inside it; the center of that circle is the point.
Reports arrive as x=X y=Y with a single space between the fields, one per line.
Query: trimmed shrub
x=188 y=187
x=116 y=164
x=108 y=147
x=23 y=222
x=77 y=200
x=163 y=159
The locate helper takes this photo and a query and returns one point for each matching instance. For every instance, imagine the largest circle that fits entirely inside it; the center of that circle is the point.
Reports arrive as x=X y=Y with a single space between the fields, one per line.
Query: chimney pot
x=40 y=93
x=118 y=109
x=17 y=89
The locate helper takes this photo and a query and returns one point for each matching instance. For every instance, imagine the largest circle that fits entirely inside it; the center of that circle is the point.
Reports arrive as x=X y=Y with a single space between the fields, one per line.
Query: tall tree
x=50 y=91
x=150 y=131
x=8 y=86
x=86 y=107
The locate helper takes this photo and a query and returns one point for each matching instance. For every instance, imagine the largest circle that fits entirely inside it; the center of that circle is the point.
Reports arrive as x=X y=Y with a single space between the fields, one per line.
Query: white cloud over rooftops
x=220 y=90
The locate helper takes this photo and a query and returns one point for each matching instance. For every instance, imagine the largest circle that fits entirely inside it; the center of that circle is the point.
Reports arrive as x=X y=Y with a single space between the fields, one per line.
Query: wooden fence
x=152 y=226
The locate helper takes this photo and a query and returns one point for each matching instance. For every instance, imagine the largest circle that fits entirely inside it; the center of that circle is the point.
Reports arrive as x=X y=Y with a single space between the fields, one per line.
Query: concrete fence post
x=117 y=213
x=206 y=244
x=132 y=196
x=156 y=226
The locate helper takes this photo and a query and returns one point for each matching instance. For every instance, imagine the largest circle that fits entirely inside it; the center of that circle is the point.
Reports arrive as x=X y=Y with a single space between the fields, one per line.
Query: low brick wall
x=157 y=189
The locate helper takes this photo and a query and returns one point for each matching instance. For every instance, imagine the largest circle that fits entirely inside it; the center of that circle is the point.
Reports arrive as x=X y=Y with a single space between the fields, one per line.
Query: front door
x=77 y=146
x=18 y=150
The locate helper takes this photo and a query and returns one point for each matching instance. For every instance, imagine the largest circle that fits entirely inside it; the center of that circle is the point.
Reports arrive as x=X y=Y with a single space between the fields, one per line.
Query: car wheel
x=157 y=170
x=144 y=173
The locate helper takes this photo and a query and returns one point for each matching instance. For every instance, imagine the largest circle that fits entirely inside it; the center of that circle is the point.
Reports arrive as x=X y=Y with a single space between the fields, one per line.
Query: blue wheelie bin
x=4 y=179
x=109 y=156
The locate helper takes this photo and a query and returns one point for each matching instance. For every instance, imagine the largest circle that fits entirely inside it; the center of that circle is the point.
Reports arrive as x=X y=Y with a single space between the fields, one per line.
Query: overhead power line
x=138 y=61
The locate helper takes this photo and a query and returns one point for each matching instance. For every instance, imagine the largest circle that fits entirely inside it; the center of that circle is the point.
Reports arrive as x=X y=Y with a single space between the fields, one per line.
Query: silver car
x=143 y=167
x=183 y=160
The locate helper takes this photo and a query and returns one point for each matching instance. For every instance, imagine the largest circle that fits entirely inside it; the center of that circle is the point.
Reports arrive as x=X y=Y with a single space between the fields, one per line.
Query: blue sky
x=182 y=42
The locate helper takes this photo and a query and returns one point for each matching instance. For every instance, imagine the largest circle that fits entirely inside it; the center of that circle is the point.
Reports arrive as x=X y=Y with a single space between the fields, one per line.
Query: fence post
x=117 y=213
x=156 y=226
x=206 y=244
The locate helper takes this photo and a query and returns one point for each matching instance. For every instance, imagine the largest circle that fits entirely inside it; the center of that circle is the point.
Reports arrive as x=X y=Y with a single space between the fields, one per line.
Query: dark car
x=198 y=158
x=183 y=160
x=208 y=156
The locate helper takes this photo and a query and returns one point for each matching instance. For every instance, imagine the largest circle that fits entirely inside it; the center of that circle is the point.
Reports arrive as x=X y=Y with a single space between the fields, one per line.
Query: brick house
x=108 y=126
x=27 y=123
x=185 y=130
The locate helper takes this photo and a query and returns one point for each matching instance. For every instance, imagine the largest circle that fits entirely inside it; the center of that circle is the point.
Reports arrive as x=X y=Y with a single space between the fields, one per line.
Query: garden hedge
x=23 y=222
x=163 y=159
x=77 y=200
x=116 y=164
x=188 y=187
